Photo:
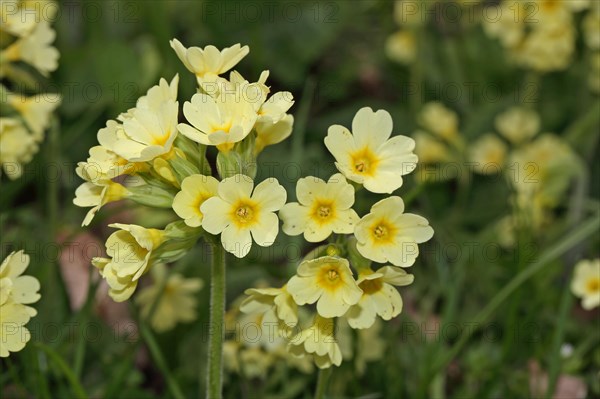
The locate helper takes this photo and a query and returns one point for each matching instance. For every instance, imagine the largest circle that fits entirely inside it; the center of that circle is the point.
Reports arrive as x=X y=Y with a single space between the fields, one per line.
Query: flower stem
x=214 y=387
x=322 y=381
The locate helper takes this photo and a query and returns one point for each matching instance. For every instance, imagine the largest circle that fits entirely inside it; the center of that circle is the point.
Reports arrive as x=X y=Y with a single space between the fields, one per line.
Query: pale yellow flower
x=221 y=121
x=16 y=292
x=256 y=362
x=19 y=17
x=509 y=26
x=17 y=147
x=320 y=341
x=176 y=296
x=439 y=120
x=543 y=169
x=328 y=281
x=35 y=49
x=195 y=189
x=272 y=133
x=96 y=195
x=518 y=124
x=209 y=62
x=546 y=50
x=277 y=300
x=240 y=215
x=387 y=234
x=273 y=124
x=586 y=283
x=149 y=129
x=261 y=329
x=488 y=154
x=324 y=208
x=429 y=149
x=130 y=250
x=104 y=164
x=35 y=110
x=368 y=155
x=379 y=296
x=401 y=47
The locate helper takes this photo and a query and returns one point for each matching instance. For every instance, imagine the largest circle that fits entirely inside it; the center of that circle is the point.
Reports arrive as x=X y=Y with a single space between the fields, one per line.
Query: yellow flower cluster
x=254 y=344
x=539 y=169
x=147 y=156
x=16 y=292
x=25 y=46
x=537 y=34
x=368 y=156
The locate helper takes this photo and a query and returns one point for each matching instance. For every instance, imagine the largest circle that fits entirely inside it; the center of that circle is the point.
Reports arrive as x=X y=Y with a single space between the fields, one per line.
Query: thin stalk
x=160 y=360
x=566 y=302
x=76 y=386
x=322 y=381
x=214 y=387
x=571 y=239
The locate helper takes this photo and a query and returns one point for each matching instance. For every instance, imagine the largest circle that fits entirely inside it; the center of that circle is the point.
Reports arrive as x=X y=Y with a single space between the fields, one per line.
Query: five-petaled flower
x=323 y=208
x=328 y=281
x=240 y=215
x=387 y=234
x=368 y=155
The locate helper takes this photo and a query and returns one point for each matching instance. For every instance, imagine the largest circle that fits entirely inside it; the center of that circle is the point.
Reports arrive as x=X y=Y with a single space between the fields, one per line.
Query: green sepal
x=151 y=195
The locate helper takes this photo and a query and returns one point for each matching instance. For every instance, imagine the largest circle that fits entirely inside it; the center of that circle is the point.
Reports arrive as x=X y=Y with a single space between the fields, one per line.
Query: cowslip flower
x=328 y=281
x=96 y=195
x=518 y=124
x=387 y=234
x=36 y=110
x=20 y=17
x=323 y=208
x=195 y=189
x=401 y=47
x=273 y=124
x=240 y=215
x=148 y=130
x=368 y=155
x=16 y=292
x=429 y=149
x=439 y=120
x=277 y=300
x=488 y=154
x=221 y=121
x=586 y=283
x=318 y=340
x=130 y=252
x=176 y=295
x=209 y=62
x=17 y=147
x=379 y=297
x=104 y=164
x=35 y=49
x=545 y=169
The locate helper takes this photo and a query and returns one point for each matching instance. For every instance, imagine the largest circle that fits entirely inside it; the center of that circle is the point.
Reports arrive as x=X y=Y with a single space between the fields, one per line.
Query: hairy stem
x=214 y=387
